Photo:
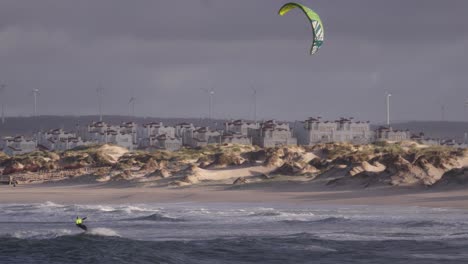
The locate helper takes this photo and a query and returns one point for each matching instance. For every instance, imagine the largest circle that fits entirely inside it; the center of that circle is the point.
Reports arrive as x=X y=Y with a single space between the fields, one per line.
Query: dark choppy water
x=231 y=233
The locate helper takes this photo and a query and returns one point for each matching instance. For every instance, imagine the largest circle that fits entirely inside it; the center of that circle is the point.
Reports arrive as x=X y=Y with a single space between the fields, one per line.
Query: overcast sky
x=164 y=53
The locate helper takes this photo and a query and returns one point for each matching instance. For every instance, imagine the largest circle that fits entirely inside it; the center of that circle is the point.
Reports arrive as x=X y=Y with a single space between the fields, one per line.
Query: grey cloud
x=163 y=52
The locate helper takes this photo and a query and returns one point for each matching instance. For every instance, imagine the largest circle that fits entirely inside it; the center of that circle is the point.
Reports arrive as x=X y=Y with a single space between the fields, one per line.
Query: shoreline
x=292 y=193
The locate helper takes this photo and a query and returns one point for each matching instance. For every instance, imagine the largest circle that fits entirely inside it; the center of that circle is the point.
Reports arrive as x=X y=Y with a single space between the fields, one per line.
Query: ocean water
x=231 y=233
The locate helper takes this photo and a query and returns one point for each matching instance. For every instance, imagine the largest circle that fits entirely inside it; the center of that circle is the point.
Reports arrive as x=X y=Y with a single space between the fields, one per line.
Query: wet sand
x=288 y=193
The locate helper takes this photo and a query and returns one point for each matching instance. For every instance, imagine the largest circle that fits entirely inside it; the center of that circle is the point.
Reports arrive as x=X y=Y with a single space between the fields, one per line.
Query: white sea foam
x=440 y=256
x=41 y=234
x=315 y=248
x=50 y=204
x=101 y=231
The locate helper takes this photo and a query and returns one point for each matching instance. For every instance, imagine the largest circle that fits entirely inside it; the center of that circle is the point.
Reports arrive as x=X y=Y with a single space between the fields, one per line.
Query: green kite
x=315 y=21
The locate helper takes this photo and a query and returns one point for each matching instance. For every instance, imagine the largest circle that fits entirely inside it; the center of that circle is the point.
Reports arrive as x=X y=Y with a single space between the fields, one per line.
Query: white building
x=96 y=129
x=117 y=138
x=69 y=143
x=158 y=136
x=156 y=129
x=389 y=134
x=234 y=138
x=102 y=133
x=130 y=128
x=437 y=141
x=273 y=134
x=17 y=145
x=164 y=142
x=240 y=127
x=58 y=139
x=342 y=130
x=200 y=137
x=184 y=131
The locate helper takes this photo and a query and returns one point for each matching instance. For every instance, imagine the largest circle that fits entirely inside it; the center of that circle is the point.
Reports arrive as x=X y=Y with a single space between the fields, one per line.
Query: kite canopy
x=315 y=21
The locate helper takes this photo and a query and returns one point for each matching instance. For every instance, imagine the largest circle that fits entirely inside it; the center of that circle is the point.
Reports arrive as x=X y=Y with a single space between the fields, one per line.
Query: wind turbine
x=100 y=92
x=466 y=105
x=35 y=93
x=2 y=96
x=210 y=105
x=466 y=115
x=132 y=102
x=442 y=113
x=255 y=103
x=388 y=95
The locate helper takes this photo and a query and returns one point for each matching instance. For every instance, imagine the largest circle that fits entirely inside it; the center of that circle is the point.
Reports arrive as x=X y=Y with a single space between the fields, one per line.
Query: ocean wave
x=39 y=234
x=329 y=220
x=390 y=237
x=440 y=256
x=105 y=247
x=273 y=213
x=156 y=218
x=425 y=223
x=304 y=215
x=50 y=204
x=57 y=233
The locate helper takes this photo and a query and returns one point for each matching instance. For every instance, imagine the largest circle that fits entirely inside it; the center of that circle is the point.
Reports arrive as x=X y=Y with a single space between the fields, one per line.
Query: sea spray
x=101 y=231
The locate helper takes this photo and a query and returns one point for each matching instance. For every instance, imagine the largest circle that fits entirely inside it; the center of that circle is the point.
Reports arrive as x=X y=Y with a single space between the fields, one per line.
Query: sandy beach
x=282 y=193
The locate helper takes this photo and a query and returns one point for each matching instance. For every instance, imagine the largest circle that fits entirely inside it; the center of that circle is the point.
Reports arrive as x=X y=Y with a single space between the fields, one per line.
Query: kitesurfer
x=79 y=223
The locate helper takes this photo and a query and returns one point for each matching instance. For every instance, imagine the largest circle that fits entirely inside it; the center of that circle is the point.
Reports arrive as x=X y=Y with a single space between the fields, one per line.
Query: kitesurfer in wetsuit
x=79 y=223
